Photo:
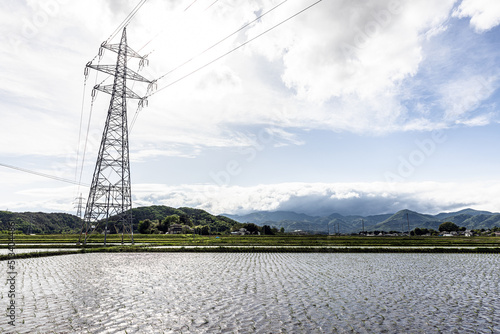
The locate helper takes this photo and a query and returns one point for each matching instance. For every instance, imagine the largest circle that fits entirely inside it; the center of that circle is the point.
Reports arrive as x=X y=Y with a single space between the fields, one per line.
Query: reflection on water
x=257 y=293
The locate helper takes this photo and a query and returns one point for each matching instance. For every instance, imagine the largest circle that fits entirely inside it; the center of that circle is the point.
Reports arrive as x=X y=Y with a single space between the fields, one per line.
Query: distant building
x=299 y=232
x=175 y=229
x=241 y=231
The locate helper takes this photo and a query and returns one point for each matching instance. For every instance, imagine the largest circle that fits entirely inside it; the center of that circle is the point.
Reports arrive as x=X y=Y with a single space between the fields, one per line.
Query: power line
x=88 y=126
x=123 y=24
x=81 y=123
x=222 y=40
x=161 y=31
x=213 y=3
x=201 y=53
x=86 y=141
x=43 y=175
x=127 y=20
x=192 y=3
x=236 y=48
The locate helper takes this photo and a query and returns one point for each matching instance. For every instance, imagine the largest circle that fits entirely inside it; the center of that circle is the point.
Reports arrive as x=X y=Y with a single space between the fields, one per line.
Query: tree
x=168 y=221
x=266 y=229
x=185 y=220
x=205 y=230
x=144 y=226
x=251 y=227
x=448 y=226
x=420 y=231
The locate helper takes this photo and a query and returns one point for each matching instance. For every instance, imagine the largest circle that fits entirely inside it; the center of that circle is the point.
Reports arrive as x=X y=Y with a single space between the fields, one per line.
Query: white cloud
x=480 y=120
x=360 y=198
x=337 y=66
x=345 y=66
x=463 y=95
x=351 y=49
x=324 y=198
x=484 y=14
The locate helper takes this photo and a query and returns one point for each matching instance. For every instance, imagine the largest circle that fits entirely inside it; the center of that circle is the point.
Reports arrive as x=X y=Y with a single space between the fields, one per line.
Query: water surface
x=257 y=293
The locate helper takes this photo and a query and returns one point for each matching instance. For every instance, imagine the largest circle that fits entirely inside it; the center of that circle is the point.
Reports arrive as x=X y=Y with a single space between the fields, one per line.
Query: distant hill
x=48 y=223
x=467 y=212
x=290 y=221
x=400 y=220
x=261 y=217
x=188 y=216
x=40 y=222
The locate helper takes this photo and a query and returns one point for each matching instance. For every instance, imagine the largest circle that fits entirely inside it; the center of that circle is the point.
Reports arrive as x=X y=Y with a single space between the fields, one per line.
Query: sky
x=355 y=107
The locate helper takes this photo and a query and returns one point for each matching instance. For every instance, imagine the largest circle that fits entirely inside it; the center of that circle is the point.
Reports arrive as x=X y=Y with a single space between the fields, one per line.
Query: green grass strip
x=222 y=249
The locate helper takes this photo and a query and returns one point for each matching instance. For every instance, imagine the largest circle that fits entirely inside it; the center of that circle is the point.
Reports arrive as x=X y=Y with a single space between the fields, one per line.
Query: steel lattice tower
x=110 y=192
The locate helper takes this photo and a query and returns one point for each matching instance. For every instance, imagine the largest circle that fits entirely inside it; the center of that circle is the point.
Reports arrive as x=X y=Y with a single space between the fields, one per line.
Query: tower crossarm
x=111 y=69
x=116 y=47
x=129 y=94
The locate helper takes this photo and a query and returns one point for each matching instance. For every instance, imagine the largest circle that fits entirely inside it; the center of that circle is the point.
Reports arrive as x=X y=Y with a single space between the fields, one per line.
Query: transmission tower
x=110 y=192
x=79 y=206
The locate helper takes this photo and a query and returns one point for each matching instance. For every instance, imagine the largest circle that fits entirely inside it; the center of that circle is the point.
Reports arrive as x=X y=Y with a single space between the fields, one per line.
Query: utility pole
x=110 y=191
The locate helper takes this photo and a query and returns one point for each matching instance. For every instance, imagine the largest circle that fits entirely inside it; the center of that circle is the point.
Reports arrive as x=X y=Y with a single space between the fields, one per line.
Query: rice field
x=256 y=293
x=70 y=240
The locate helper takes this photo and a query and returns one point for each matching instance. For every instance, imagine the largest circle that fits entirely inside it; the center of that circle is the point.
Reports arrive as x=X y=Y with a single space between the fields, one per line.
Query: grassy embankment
x=276 y=243
x=70 y=240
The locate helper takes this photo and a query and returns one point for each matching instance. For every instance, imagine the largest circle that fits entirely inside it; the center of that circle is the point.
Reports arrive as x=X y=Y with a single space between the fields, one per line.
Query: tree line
x=184 y=224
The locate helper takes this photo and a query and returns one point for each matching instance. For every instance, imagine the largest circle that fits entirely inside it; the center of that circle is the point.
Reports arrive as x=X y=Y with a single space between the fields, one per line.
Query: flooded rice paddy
x=256 y=293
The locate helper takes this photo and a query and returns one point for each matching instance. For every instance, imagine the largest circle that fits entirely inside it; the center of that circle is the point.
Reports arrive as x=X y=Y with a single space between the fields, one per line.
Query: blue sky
x=356 y=107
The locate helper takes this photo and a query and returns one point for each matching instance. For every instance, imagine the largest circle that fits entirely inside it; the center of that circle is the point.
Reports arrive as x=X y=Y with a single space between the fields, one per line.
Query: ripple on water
x=259 y=293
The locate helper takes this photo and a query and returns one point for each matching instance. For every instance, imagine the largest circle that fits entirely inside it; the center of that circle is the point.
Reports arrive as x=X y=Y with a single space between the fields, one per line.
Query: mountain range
x=399 y=221
x=38 y=222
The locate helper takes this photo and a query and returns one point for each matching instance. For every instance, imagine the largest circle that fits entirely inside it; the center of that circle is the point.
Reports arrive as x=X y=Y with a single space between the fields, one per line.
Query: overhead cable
x=236 y=48
x=127 y=20
x=43 y=175
x=222 y=40
x=123 y=24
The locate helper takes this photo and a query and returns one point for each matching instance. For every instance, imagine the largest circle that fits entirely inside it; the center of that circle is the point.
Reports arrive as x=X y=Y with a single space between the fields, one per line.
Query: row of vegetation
x=160 y=219
x=278 y=240
x=444 y=227
x=284 y=249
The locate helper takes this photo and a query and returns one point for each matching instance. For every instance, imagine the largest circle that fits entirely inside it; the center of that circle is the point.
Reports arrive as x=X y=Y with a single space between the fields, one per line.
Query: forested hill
x=162 y=216
x=40 y=222
x=47 y=223
x=186 y=216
